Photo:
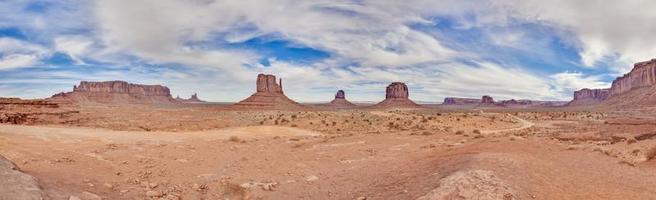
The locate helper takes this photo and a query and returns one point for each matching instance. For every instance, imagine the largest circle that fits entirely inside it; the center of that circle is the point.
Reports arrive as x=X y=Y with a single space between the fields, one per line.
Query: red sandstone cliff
x=268 y=95
x=116 y=92
x=635 y=88
x=643 y=74
x=397 y=95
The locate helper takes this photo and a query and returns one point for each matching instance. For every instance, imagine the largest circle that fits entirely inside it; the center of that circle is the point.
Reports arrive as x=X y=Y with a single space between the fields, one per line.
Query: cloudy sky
x=526 y=49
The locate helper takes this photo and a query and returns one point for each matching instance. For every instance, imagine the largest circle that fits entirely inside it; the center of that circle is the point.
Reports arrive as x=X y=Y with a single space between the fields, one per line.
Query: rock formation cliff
x=643 y=74
x=587 y=96
x=268 y=95
x=116 y=92
x=635 y=88
x=397 y=95
x=340 y=101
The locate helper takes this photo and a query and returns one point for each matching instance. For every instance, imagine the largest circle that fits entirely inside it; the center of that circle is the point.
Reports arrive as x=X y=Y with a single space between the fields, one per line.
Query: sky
x=521 y=49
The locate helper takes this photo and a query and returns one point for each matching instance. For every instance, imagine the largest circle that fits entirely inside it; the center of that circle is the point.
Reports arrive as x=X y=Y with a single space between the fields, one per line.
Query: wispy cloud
x=508 y=49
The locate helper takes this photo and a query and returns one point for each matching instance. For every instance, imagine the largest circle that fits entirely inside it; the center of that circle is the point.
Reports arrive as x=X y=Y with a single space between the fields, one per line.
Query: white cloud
x=605 y=28
x=17 y=60
x=565 y=83
x=16 y=53
x=77 y=47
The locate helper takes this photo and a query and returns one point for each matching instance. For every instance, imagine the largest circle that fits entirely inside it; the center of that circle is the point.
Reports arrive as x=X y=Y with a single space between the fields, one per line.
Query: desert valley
x=118 y=140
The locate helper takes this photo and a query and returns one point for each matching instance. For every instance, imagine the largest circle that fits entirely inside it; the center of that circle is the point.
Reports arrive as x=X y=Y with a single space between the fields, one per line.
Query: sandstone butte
x=397 y=95
x=116 y=92
x=643 y=75
x=268 y=95
x=193 y=99
x=340 y=101
x=487 y=100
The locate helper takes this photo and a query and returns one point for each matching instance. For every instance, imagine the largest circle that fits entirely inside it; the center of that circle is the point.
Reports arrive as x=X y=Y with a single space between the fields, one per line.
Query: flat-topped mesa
x=595 y=94
x=587 y=96
x=116 y=92
x=267 y=83
x=268 y=95
x=397 y=95
x=122 y=87
x=460 y=101
x=340 y=101
x=643 y=74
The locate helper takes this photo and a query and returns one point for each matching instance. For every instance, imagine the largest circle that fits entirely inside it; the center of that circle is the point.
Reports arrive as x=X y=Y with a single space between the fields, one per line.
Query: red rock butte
x=340 y=101
x=397 y=95
x=116 y=92
x=268 y=95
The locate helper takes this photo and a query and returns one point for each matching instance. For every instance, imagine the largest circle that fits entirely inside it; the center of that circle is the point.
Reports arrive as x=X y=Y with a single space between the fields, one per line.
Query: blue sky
x=524 y=49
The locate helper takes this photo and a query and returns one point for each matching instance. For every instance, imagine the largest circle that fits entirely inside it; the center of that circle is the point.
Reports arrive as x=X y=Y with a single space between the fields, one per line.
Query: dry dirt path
x=77 y=133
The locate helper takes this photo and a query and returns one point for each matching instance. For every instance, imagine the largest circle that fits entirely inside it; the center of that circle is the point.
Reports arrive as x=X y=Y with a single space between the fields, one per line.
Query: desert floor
x=210 y=152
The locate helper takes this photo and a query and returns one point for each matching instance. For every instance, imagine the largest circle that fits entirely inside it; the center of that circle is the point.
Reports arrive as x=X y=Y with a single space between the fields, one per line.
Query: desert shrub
x=234 y=138
x=427 y=133
x=460 y=132
x=476 y=131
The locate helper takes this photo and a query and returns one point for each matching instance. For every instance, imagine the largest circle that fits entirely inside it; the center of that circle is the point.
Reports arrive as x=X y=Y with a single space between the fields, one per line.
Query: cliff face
x=594 y=94
x=643 y=74
x=116 y=92
x=587 y=96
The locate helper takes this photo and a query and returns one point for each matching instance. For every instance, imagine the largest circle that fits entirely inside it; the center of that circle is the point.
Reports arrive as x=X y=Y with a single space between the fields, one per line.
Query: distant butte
x=268 y=95
x=340 y=101
x=193 y=99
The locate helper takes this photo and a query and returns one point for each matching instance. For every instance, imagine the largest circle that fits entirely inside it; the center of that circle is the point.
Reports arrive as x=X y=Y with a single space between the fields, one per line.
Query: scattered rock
x=154 y=193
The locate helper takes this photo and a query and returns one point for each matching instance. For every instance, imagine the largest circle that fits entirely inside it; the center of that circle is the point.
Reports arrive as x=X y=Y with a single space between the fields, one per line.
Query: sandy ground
x=349 y=154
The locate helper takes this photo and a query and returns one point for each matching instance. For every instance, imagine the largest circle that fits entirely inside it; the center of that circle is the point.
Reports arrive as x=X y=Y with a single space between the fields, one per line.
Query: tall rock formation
x=116 y=92
x=397 y=95
x=268 y=95
x=587 y=96
x=340 y=101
